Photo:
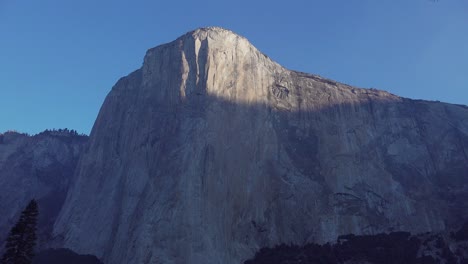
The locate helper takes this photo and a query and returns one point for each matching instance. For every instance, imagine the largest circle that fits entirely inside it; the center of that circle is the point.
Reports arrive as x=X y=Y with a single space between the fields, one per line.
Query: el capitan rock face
x=211 y=150
x=37 y=167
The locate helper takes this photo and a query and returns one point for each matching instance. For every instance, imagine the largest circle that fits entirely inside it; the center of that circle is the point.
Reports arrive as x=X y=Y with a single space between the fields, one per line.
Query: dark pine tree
x=19 y=248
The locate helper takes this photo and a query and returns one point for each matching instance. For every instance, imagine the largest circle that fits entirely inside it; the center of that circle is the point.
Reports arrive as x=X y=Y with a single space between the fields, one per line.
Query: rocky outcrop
x=37 y=167
x=211 y=151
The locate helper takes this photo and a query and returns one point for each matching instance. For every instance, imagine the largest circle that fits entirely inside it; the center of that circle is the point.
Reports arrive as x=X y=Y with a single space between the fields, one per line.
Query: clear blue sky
x=59 y=58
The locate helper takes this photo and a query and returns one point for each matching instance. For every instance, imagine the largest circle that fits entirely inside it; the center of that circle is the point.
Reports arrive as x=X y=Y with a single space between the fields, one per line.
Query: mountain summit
x=210 y=61
x=211 y=150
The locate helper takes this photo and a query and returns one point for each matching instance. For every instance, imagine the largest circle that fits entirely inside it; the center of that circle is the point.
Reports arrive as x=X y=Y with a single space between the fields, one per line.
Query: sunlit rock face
x=211 y=150
x=37 y=167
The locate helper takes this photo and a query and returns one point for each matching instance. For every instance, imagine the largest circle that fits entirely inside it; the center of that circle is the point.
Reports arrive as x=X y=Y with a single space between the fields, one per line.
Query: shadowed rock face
x=37 y=167
x=63 y=255
x=211 y=150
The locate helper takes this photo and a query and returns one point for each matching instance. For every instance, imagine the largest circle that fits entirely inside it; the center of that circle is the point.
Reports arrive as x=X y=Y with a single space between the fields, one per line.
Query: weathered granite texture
x=37 y=167
x=211 y=150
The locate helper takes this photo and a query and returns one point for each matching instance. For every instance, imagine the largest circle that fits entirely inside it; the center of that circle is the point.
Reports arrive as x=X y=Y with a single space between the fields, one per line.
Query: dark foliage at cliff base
x=20 y=243
x=393 y=248
x=62 y=256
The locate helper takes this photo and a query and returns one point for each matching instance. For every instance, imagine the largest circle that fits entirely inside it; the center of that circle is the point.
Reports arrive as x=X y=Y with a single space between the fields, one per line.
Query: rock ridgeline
x=37 y=167
x=211 y=151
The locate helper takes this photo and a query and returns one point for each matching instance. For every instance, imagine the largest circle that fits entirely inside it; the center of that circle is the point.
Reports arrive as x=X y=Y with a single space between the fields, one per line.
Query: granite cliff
x=211 y=151
x=37 y=167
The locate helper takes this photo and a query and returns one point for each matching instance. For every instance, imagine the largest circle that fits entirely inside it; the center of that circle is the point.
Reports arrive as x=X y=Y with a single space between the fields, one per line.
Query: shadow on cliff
x=423 y=145
x=434 y=134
